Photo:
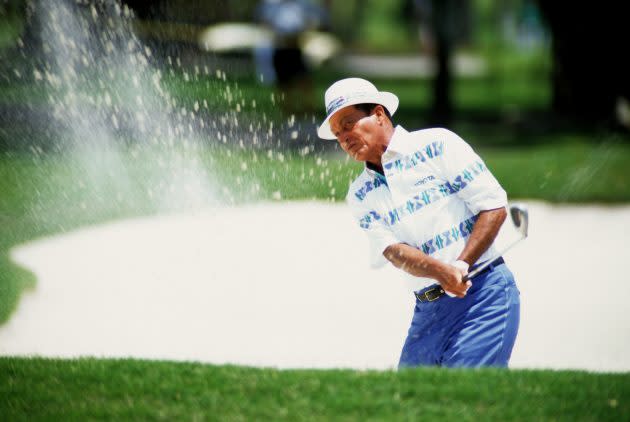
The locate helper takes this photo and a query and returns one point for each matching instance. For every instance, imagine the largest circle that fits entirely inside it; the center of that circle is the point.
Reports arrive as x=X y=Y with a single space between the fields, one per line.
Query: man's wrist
x=461 y=265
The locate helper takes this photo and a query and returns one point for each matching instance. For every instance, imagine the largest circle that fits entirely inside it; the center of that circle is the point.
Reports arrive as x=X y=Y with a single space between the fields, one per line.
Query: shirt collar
x=396 y=143
x=395 y=146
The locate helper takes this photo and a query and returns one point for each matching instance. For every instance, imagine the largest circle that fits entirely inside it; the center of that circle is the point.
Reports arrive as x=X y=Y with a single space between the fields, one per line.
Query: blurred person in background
x=283 y=62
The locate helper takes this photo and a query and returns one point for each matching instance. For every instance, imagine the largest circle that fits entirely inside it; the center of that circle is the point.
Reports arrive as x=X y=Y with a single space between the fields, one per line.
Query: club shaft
x=489 y=262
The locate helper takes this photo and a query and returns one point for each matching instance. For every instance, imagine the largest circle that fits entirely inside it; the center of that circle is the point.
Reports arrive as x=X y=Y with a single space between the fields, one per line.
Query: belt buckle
x=433 y=298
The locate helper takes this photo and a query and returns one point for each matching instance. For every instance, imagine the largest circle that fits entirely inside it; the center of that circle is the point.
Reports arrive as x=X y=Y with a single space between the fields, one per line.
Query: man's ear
x=379 y=112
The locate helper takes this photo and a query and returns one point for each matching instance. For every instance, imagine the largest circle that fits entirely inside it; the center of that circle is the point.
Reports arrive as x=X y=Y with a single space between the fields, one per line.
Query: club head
x=520 y=218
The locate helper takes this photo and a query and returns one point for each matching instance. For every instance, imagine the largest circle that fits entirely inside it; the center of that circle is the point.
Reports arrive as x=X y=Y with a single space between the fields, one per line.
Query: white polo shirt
x=434 y=187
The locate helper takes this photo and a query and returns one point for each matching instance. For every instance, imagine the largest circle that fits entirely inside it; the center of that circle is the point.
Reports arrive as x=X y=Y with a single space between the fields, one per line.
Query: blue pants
x=478 y=330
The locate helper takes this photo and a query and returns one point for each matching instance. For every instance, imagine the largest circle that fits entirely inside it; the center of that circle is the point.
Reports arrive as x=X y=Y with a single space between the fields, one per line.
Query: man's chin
x=358 y=156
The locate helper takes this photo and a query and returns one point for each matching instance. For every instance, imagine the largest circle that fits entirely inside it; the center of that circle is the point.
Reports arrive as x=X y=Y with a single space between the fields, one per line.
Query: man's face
x=359 y=134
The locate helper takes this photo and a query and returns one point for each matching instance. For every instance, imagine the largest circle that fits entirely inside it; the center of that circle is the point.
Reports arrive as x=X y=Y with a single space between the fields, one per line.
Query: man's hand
x=451 y=280
x=414 y=262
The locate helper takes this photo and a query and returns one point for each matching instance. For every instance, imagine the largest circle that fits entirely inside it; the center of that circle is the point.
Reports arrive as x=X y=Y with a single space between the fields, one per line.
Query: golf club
x=520 y=219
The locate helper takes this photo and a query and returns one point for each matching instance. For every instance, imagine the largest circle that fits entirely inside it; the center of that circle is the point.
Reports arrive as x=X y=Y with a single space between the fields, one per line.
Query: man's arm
x=416 y=263
x=483 y=234
x=413 y=261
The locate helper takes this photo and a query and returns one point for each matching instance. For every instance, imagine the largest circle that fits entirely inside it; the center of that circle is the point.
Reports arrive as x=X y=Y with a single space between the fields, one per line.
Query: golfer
x=431 y=207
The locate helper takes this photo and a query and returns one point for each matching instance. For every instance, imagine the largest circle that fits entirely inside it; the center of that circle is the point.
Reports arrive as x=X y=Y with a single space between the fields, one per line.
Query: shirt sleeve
x=469 y=177
x=379 y=234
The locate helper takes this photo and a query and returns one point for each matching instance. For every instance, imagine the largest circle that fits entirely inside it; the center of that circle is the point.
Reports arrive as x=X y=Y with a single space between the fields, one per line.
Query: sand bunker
x=288 y=285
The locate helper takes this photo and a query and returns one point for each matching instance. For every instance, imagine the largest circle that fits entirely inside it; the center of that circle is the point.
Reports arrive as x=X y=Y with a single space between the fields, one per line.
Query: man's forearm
x=483 y=234
x=413 y=261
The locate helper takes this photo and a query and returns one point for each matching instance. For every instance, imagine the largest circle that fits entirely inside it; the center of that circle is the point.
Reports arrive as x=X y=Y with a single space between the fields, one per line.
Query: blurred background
x=511 y=70
x=112 y=109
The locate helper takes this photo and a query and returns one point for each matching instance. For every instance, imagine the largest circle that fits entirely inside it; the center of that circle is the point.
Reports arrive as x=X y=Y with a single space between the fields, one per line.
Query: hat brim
x=386 y=99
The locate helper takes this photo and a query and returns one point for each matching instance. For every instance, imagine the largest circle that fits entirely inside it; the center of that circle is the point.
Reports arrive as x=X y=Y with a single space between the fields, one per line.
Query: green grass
x=569 y=171
x=88 y=389
x=497 y=99
x=564 y=173
x=490 y=94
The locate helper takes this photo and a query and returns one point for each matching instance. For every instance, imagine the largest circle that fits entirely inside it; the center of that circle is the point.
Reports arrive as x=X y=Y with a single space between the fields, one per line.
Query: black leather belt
x=430 y=294
x=433 y=293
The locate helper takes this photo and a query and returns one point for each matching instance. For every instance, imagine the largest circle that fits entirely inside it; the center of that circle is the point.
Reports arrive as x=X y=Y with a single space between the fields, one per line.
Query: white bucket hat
x=351 y=91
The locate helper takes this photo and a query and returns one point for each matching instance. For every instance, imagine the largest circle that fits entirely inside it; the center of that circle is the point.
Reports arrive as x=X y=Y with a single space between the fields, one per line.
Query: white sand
x=288 y=285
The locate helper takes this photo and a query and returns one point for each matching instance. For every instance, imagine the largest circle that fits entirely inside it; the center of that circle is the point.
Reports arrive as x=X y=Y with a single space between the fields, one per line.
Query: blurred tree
x=591 y=70
x=443 y=24
x=343 y=12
